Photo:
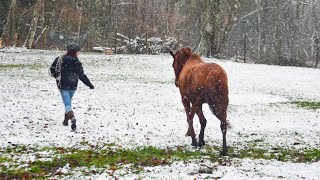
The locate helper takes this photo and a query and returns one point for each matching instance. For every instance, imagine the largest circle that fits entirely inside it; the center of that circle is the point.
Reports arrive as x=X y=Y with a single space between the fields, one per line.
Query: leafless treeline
x=283 y=32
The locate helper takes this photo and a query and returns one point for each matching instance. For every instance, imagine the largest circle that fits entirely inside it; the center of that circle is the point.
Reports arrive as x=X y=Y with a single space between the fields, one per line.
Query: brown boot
x=73 y=124
x=65 y=122
x=70 y=115
x=73 y=120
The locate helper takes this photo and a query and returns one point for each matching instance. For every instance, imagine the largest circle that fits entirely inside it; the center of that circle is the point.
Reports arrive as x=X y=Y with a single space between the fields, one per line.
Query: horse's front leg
x=190 y=114
x=203 y=123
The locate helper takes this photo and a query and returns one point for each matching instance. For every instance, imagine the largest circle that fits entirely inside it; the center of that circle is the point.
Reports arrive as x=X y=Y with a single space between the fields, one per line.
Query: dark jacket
x=71 y=71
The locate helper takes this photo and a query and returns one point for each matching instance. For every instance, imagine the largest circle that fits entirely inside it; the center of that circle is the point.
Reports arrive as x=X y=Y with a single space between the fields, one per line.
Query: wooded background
x=282 y=32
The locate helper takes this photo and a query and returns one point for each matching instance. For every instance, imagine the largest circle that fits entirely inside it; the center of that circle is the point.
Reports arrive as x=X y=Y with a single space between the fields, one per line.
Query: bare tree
x=276 y=32
x=34 y=23
x=218 y=21
x=9 y=29
x=79 y=13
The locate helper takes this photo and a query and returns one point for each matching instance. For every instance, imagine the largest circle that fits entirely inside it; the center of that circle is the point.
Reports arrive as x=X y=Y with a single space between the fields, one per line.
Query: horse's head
x=179 y=60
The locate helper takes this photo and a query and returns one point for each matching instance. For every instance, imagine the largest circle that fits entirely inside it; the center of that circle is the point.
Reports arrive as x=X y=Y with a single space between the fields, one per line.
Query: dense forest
x=282 y=32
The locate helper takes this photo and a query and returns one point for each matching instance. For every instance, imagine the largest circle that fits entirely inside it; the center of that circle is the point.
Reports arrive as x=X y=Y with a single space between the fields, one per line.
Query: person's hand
x=92 y=87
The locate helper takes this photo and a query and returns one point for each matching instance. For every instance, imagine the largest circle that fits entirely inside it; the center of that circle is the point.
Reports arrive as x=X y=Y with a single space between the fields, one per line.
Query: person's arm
x=82 y=76
x=53 y=68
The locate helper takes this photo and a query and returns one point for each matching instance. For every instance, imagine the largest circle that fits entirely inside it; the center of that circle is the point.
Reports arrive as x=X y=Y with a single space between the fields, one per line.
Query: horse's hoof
x=223 y=153
x=194 y=143
x=201 y=143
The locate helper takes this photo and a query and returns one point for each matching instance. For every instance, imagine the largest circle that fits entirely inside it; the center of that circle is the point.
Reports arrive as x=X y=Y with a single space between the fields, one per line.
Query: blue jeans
x=67 y=98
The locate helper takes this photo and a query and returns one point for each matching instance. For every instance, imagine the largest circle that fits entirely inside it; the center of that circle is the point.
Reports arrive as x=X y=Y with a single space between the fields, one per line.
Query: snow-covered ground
x=135 y=103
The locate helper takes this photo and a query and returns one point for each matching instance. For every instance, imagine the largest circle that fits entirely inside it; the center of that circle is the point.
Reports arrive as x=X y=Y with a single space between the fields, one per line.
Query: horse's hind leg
x=203 y=123
x=190 y=114
x=220 y=112
x=223 y=127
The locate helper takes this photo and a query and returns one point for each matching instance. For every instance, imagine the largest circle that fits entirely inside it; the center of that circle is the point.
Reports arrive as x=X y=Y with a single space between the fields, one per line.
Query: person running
x=67 y=69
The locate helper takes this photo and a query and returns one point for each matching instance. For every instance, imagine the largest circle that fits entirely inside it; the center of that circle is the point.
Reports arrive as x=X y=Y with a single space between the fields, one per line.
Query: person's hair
x=73 y=47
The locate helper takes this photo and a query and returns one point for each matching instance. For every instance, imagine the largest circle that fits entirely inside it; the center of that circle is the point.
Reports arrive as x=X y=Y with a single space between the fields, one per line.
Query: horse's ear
x=172 y=53
x=188 y=52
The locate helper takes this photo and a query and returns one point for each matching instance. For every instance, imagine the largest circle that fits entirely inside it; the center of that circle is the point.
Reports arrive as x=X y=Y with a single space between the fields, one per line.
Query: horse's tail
x=217 y=95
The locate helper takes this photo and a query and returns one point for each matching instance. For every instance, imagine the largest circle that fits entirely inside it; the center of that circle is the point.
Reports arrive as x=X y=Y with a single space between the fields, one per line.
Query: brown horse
x=200 y=82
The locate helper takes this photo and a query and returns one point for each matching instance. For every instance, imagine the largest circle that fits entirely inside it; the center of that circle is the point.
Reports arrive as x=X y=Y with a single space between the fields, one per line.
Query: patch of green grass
x=313 y=155
x=112 y=158
x=249 y=153
x=307 y=104
x=14 y=174
x=280 y=154
x=11 y=66
x=4 y=159
x=21 y=149
x=107 y=158
x=143 y=156
x=127 y=77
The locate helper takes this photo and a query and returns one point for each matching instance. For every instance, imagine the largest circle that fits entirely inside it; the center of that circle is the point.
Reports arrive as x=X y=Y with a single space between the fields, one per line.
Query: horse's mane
x=195 y=57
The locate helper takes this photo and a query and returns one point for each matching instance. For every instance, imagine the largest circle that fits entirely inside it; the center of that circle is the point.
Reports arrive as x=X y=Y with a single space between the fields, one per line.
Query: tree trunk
x=91 y=26
x=227 y=26
x=79 y=9
x=107 y=18
x=144 y=16
x=10 y=23
x=259 y=30
x=48 y=24
x=207 y=27
x=315 y=34
x=34 y=23
x=41 y=22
